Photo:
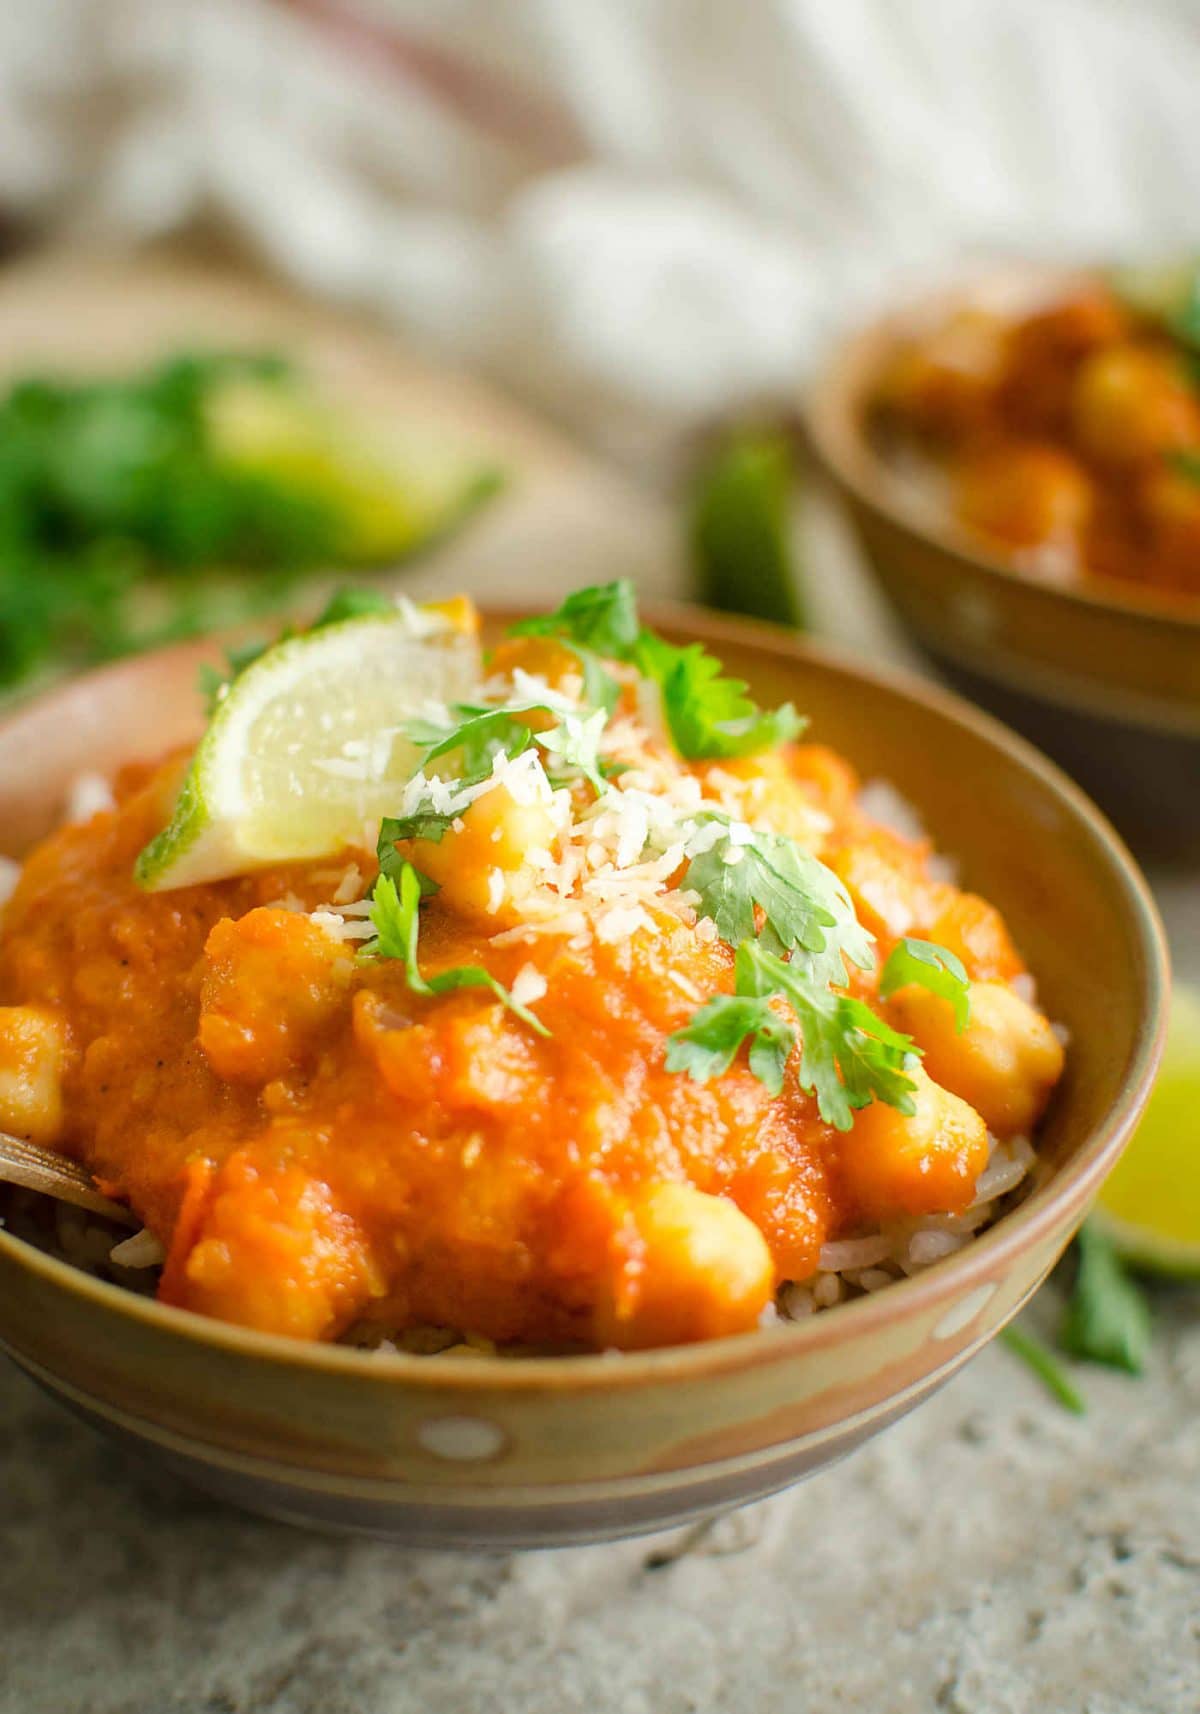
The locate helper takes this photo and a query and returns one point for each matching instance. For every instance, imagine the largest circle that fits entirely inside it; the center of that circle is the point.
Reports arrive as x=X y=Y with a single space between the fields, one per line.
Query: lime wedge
x=1150 y=1205
x=391 y=491
x=304 y=752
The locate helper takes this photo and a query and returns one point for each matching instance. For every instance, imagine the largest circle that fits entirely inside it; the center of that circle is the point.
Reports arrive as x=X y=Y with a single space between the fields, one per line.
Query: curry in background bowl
x=1020 y=455
x=633 y=1027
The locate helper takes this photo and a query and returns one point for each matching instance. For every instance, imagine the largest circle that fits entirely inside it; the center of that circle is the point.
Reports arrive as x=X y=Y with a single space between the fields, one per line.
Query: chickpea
x=946 y=382
x=1130 y=405
x=33 y=1046
x=925 y=1162
x=1171 y=505
x=1006 y=1061
x=976 y=931
x=1026 y=496
x=541 y=657
x=692 y=1266
x=496 y=834
x=273 y=981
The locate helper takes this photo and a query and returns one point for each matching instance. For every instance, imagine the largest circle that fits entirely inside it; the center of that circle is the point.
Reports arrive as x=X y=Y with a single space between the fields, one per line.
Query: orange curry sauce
x=315 y=1145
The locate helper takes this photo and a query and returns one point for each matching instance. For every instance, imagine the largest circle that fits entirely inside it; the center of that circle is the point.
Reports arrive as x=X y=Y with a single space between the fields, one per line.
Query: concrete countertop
x=990 y=1555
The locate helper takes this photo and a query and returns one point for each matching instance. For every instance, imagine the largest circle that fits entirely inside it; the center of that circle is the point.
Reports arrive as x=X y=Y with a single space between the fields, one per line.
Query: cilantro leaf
x=933 y=967
x=806 y=906
x=849 y=1057
x=395 y=917
x=708 y=1046
x=424 y=823
x=1042 y=1362
x=575 y=743
x=602 y=619
x=485 y=733
x=1107 y=1319
x=481 y=735
x=709 y=715
x=352 y=602
x=1185 y=463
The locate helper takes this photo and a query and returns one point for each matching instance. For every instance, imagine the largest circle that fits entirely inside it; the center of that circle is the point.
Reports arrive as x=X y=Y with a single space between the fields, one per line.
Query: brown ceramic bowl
x=483 y=1452
x=1105 y=677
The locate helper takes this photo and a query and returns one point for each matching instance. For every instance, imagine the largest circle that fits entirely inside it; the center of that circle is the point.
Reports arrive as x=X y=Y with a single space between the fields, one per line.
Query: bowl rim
x=1023 y=1227
x=835 y=418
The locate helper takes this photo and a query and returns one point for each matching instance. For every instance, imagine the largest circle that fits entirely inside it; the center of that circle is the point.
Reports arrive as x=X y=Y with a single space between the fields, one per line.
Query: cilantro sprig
x=805 y=906
x=849 y=1057
x=1107 y=1319
x=395 y=917
x=709 y=715
x=933 y=967
x=708 y=1046
x=478 y=734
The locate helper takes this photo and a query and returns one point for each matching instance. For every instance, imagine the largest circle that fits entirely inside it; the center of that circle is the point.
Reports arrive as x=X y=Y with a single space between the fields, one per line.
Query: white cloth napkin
x=636 y=212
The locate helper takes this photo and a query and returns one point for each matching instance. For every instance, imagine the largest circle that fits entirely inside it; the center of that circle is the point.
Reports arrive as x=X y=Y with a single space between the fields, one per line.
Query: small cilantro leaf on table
x=930 y=966
x=1041 y=1361
x=395 y=917
x=1107 y=1318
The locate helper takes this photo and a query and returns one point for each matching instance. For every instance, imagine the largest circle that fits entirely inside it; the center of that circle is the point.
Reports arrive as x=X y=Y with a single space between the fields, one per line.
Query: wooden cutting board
x=564 y=519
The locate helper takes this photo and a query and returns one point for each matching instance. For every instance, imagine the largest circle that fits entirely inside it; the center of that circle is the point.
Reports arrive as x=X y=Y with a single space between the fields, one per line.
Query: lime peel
x=260 y=788
x=1150 y=1205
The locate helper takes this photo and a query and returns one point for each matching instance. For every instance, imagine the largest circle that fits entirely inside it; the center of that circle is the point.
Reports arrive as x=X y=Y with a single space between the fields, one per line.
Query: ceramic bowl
x=462 y=1450
x=1105 y=677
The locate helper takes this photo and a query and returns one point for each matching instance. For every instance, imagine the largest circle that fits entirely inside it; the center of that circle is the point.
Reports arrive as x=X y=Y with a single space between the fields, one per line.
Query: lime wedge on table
x=303 y=751
x=1150 y=1205
x=391 y=489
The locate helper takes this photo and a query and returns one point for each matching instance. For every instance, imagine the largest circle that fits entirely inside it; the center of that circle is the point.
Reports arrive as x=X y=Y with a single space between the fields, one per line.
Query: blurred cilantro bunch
x=140 y=510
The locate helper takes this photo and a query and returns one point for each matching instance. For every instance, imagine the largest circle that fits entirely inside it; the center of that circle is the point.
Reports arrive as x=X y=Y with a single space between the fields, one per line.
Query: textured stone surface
x=990 y=1555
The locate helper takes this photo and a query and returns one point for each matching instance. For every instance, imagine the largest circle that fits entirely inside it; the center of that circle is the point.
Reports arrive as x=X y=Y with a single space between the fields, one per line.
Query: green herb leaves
x=806 y=908
x=709 y=715
x=933 y=967
x=709 y=1045
x=848 y=1056
x=1107 y=1319
x=603 y=618
x=395 y=917
x=1041 y=1361
x=571 y=745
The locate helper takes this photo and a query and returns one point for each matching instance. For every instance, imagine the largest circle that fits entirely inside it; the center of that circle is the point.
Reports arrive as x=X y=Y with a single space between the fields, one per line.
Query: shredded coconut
x=88 y=795
x=528 y=985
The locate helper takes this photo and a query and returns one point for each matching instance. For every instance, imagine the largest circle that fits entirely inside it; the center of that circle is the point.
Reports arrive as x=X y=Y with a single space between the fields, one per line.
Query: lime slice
x=1167 y=292
x=304 y=753
x=1150 y=1205
x=390 y=491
